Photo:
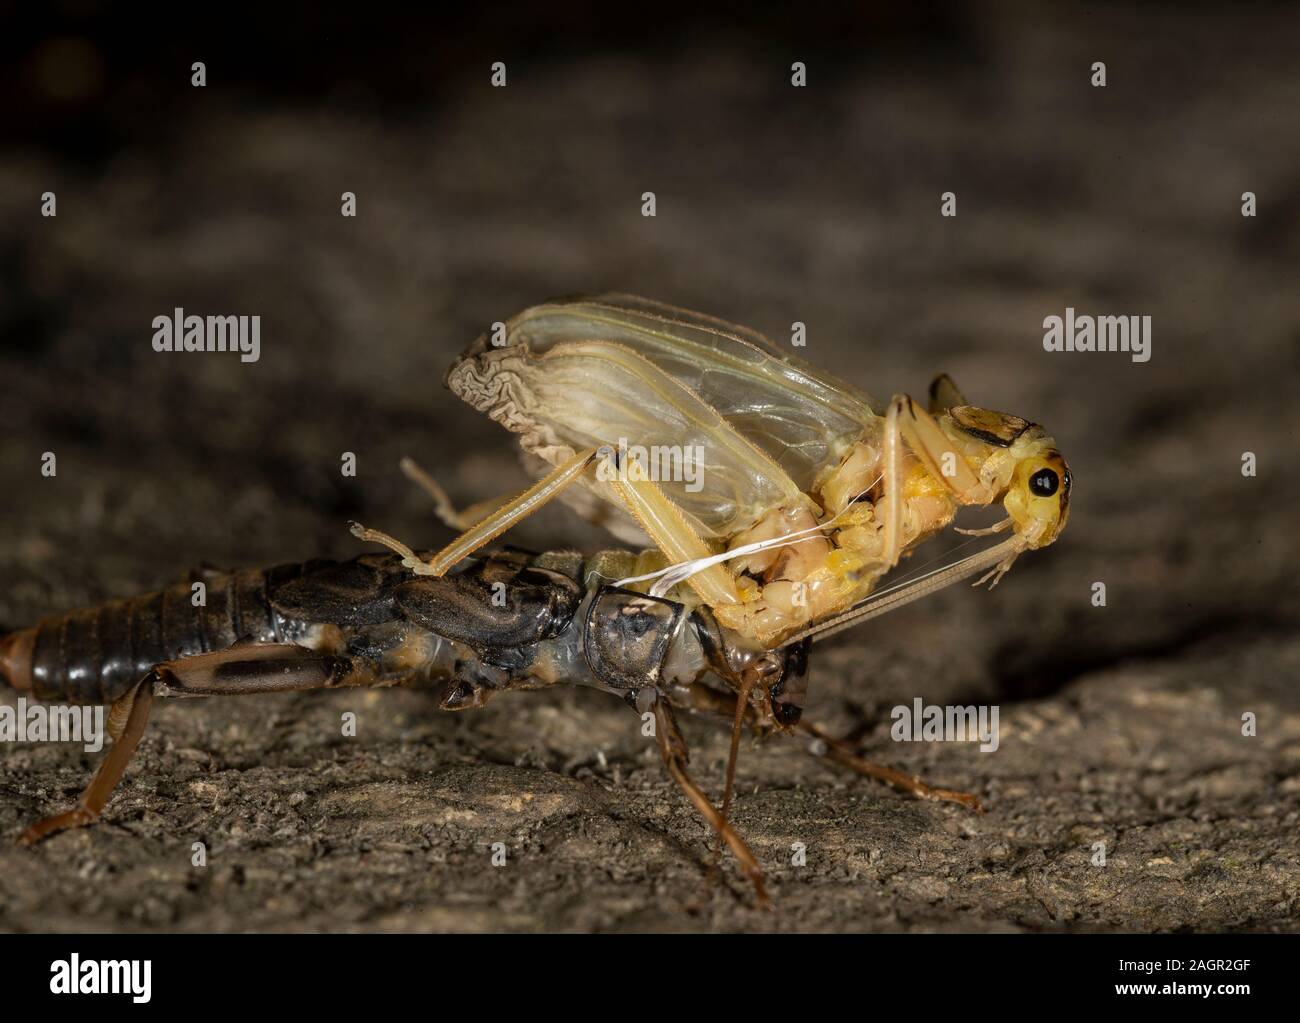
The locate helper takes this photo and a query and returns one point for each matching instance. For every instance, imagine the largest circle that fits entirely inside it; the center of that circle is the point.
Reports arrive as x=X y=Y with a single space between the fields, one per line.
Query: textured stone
x=1120 y=725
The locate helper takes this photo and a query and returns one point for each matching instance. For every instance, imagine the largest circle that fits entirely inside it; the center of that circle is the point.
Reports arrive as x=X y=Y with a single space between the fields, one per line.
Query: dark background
x=775 y=204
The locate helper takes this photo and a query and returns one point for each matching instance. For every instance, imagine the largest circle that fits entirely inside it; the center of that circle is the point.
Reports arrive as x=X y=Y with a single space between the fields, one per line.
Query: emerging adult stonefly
x=792 y=495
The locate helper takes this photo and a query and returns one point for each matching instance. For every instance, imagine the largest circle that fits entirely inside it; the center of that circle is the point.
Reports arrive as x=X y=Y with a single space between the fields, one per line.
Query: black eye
x=1043 y=483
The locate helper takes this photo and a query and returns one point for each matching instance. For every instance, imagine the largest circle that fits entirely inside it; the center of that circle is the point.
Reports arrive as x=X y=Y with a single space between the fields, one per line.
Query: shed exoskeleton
x=508 y=620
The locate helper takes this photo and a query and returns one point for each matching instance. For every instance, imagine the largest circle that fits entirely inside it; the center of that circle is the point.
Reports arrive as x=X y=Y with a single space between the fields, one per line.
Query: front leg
x=906 y=424
x=937 y=452
x=672 y=747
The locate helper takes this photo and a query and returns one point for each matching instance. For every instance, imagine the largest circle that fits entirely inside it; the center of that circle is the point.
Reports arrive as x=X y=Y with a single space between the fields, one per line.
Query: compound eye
x=1044 y=483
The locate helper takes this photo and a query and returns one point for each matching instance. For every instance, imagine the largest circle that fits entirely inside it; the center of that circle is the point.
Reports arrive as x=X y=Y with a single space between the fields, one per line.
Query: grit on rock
x=1119 y=725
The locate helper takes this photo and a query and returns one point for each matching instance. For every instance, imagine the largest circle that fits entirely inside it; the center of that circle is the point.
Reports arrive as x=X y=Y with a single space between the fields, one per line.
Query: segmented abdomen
x=94 y=655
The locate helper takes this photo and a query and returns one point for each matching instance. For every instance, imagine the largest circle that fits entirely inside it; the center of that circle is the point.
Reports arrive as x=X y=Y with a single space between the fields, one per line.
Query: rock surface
x=1120 y=725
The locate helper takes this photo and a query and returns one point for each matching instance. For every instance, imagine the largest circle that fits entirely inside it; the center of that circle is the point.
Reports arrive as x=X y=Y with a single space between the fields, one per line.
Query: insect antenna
x=998 y=557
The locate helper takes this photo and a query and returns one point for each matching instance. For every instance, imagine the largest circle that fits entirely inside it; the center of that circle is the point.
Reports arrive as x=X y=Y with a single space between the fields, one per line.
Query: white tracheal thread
x=679 y=573
x=1000 y=556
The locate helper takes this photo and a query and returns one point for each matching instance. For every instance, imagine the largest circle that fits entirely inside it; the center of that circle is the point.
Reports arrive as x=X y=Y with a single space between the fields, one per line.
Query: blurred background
x=774 y=204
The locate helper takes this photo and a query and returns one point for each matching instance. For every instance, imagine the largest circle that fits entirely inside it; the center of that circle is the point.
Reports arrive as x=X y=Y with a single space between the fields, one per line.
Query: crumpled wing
x=799 y=417
x=579 y=394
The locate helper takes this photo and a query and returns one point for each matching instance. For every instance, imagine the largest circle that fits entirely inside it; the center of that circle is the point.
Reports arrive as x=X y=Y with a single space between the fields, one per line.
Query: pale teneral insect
x=805 y=492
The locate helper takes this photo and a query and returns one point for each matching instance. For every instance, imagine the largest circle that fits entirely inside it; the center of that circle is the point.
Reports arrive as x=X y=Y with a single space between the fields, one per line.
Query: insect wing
x=580 y=394
x=801 y=418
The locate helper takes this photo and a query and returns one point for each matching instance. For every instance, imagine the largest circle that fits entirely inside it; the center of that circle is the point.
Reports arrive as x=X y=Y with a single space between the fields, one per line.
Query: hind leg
x=459 y=520
x=492 y=526
x=126 y=723
x=255 y=668
x=713 y=701
x=843 y=754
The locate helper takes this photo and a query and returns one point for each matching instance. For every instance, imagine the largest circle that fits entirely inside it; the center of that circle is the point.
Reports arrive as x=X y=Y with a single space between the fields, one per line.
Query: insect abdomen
x=94 y=655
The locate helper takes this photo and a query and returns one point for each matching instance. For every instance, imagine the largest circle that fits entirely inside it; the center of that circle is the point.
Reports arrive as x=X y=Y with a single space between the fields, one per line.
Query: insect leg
x=907 y=424
x=673 y=534
x=713 y=701
x=126 y=722
x=495 y=524
x=747 y=682
x=252 y=668
x=672 y=747
x=944 y=394
x=842 y=754
x=893 y=473
x=461 y=520
x=930 y=444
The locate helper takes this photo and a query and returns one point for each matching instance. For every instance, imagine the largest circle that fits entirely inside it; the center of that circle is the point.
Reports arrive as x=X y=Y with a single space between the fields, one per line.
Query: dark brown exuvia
x=367 y=622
